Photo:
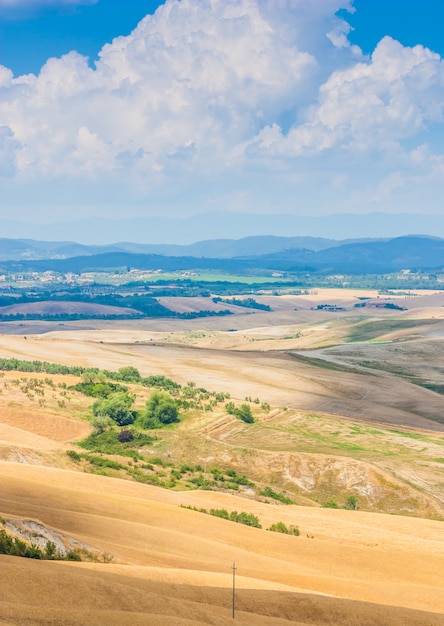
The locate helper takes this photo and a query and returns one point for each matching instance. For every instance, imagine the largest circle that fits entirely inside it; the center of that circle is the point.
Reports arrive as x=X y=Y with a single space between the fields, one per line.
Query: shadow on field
x=43 y=593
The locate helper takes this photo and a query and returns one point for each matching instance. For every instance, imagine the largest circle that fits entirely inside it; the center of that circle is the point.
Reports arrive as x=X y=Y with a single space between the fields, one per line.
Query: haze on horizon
x=243 y=106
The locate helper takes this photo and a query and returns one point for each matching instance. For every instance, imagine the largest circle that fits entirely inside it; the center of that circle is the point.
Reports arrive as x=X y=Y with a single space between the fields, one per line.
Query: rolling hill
x=371 y=257
x=30 y=249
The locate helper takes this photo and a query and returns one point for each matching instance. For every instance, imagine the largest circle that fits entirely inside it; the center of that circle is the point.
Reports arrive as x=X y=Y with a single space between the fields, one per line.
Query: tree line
x=114 y=403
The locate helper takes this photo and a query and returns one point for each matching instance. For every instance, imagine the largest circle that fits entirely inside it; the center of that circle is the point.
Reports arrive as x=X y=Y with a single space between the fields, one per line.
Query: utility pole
x=234 y=568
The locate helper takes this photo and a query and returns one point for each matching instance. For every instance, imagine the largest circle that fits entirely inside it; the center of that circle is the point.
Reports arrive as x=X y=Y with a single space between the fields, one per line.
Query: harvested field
x=52 y=308
x=160 y=548
x=276 y=377
x=191 y=305
x=344 y=420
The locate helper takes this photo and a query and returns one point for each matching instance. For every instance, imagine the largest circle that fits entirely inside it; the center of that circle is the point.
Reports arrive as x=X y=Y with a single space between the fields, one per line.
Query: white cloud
x=371 y=105
x=207 y=92
x=206 y=75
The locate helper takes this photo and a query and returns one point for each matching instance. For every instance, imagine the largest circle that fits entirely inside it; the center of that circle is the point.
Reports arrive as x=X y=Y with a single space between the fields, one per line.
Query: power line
x=234 y=568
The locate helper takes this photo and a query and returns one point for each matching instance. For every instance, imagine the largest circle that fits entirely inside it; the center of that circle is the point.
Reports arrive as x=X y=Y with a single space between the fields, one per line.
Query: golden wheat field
x=351 y=409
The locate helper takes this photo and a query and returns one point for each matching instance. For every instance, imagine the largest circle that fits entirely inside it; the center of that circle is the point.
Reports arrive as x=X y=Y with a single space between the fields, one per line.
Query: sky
x=144 y=108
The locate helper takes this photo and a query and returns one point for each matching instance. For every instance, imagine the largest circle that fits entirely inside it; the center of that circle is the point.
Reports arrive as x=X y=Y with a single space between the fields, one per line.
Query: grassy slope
x=174 y=564
x=159 y=542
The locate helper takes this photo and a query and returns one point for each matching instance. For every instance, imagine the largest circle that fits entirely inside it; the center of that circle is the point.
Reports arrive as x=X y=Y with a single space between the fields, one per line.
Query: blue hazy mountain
x=359 y=257
x=226 y=225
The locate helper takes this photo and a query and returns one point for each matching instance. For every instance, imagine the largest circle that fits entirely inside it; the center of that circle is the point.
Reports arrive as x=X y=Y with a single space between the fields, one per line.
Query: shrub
x=245 y=518
x=241 y=480
x=223 y=513
x=98 y=389
x=99 y=461
x=100 y=423
x=17 y=547
x=241 y=518
x=73 y=455
x=280 y=527
x=108 y=442
x=230 y=408
x=125 y=435
x=330 y=504
x=244 y=413
x=161 y=409
x=162 y=382
x=268 y=492
x=129 y=374
x=50 y=550
x=193 y=508
x=352 y=503
x=199 y=481
x=117 y=406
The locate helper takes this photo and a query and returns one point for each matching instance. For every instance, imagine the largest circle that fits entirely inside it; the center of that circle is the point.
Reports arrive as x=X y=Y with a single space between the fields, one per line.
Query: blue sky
x=31 y=32
x=140 y=108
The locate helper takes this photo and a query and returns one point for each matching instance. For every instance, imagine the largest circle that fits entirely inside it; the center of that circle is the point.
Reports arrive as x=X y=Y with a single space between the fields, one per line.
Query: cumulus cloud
x=209 y=89
x=194 y=80
x=371 y=105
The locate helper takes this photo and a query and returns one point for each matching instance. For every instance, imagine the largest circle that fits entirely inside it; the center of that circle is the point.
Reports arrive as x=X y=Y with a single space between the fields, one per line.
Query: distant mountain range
x=30 y=249
x=272 y=253
x=226 y=225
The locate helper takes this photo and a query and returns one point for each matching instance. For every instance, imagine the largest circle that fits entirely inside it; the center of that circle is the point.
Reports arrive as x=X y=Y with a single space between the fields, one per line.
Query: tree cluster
x=116 y=406
x=243 y=412
x=161 y=409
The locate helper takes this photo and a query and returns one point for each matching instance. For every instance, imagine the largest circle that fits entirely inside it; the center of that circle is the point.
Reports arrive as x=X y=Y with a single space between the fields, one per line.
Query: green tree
x=89 y=377
x=160 y=409
x=244 y=413
x=117 y=406
x=352 y=503
x=230 y=408
x=129 y=374
x=50 y=550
